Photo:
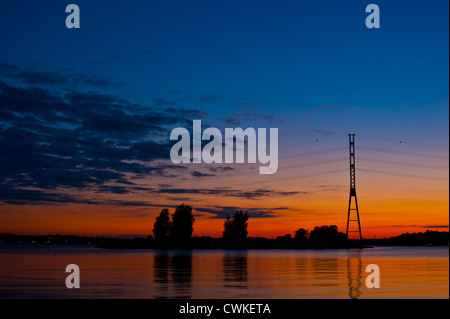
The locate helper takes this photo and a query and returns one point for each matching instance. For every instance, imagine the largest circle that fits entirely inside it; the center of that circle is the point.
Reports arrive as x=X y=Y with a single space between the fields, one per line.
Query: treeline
x=51 y=239
x=175 y=231
x=428 y=238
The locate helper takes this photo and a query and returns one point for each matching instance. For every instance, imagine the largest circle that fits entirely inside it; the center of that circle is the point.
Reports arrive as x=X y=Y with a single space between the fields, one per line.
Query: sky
x=86 y=114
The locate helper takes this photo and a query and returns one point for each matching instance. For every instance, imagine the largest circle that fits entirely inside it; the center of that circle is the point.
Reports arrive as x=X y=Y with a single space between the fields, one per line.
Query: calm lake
x=405 y=272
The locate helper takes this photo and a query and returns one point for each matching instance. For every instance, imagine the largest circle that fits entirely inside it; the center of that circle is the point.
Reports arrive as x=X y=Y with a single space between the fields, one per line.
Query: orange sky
x=388 y=206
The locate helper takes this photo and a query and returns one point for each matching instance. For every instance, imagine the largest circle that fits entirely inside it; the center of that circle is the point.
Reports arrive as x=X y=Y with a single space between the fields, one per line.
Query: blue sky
x=311 y=65
x=291 y=54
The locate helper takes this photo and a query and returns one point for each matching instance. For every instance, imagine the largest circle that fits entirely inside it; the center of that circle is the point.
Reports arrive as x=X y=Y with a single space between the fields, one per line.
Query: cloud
x=78 y=145
x=306 y=116
x=248 y=112
x=187 y=113
x=421 y=226
x=248 y=194
x=221 y=169
x=200 y=174
x=230 y=121
x=324 y=133
x=341 y=108
x=61 y=140
x=245 y=107
x=328 y=107
x=15 y=196
x=221 y=212
x=41 y=77
x=351 y=109
x=210 y=98
x=435 y=226
x=160 y=102
x=113 y=189
x=63 y=79
x=331 y=188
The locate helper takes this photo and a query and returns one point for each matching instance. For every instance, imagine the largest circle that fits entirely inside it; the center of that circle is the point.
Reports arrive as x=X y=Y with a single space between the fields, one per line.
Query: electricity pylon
x=351 y=138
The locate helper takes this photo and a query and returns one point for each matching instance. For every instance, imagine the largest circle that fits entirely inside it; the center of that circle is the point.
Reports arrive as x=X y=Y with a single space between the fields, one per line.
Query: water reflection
x=161 y=273
x=181 y=266
x=420 y=272
x=325 y=270
x=354 y=273
x=235 y=269
x=173 y=270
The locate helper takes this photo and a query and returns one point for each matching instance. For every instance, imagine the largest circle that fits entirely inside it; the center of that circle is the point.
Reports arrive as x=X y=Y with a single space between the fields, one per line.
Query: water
x=405 y=272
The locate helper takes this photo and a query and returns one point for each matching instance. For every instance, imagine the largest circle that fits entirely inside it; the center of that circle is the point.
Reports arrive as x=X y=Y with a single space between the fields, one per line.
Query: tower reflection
x=354 y=273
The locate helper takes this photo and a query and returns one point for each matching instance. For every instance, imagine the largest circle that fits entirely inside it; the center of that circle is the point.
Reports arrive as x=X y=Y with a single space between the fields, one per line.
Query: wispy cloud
x=246 y=194
x=66 y=78
x=247 y=112
x=210 y=98
x=435 y=226
x=324 y=133
x=328 y=107
x=200 y=174
x=420 y=226
x=222 y=212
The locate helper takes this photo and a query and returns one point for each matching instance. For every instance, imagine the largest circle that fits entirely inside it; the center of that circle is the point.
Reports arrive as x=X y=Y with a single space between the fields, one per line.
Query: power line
x=239 y=174
x=403 y=163
x=333 y=160
x=403 y=141
x=334 y=149
x=404 y=175
x=383 y=150
x=293 y=177
x=319 y=139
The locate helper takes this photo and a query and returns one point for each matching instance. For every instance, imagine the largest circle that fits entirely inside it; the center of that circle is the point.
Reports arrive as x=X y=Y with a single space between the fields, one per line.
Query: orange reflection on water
x=38 y=272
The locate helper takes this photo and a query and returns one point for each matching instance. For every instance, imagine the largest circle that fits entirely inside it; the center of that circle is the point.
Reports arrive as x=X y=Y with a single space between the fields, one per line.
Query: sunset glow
x=86 y=116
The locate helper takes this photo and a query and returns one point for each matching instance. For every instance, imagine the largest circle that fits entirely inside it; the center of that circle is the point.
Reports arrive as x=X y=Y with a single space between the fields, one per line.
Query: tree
x=327 y=236
x=182 y=223
x=301 y=234
x=236 y=228
x=162 y=226
x=227 y=228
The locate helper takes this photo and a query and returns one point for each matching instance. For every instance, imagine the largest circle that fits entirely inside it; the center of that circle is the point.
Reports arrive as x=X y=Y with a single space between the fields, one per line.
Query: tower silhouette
x=351 y=138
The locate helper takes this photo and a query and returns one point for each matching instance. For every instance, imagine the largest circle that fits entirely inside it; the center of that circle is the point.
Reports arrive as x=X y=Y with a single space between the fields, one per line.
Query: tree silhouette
x=182 y=223
x=430 y=237
x=301 y=235
x=327 y=236
x=236 y=228
x=227 y=227
x=301 y=238
x=162 y=226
